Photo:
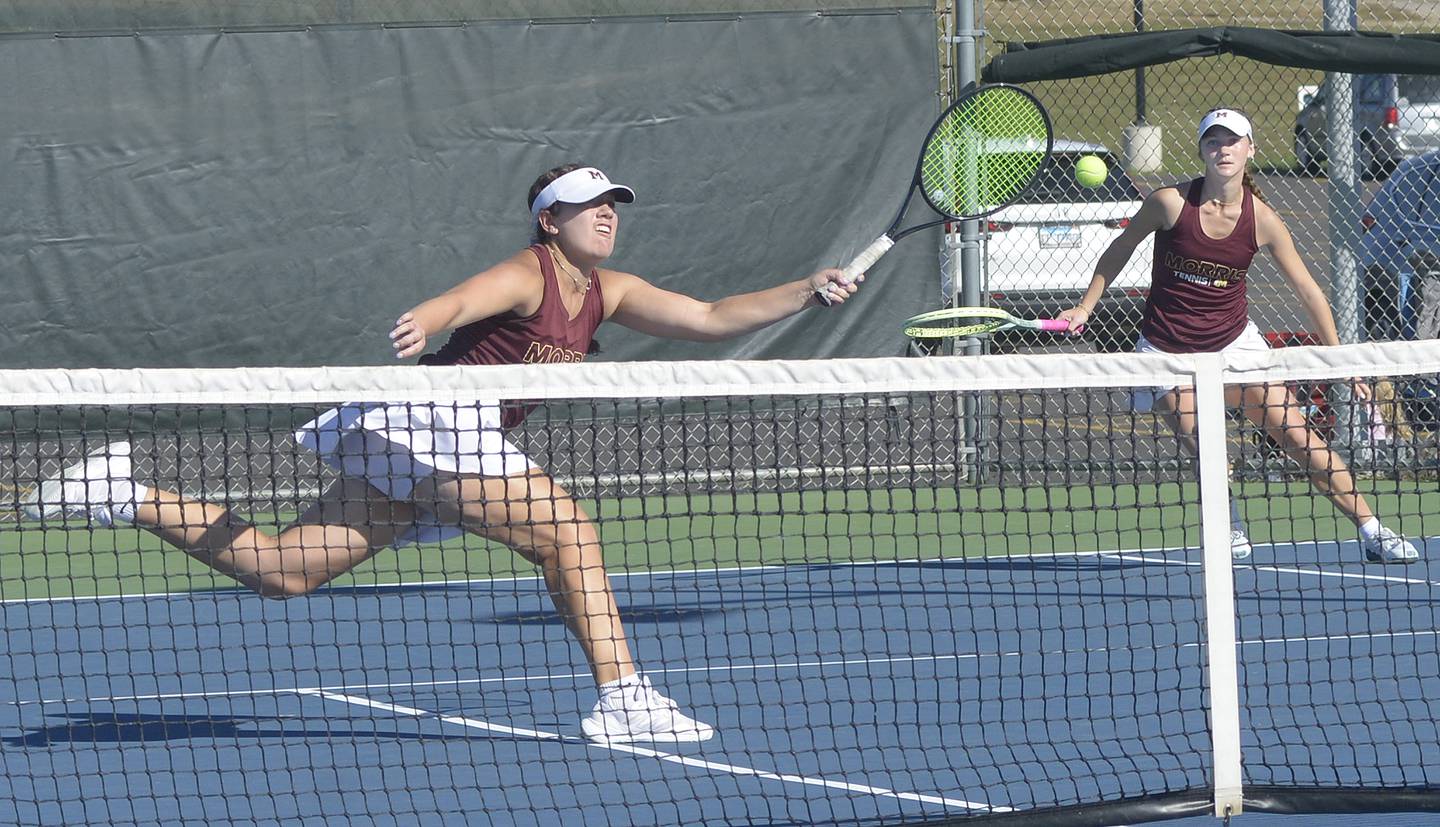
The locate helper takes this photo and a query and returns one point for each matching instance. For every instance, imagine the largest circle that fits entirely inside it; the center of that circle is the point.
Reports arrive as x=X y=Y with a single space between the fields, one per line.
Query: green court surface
x=722 y=531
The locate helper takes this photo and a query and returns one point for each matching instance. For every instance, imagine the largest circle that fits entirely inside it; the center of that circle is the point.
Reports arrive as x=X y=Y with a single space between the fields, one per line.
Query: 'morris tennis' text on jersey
x=1197 y=283
x=547 y=335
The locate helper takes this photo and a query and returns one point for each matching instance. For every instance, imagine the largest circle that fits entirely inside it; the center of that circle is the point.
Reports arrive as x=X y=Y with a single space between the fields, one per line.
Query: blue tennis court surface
x=870 y=693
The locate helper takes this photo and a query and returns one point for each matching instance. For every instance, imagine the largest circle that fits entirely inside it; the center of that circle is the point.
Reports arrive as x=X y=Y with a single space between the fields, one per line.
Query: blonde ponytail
x=1249 y=183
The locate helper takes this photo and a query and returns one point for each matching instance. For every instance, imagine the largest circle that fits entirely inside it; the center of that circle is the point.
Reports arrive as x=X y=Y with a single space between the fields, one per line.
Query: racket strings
x=952 y=327
x=984 y=152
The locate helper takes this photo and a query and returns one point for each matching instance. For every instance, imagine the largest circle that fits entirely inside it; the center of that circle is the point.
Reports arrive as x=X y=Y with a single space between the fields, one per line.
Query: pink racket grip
x=1058 y=326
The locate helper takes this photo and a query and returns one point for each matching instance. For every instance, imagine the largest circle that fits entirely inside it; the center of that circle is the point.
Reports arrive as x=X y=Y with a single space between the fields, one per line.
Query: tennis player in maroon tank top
x=1207 y=232
x=420 y=473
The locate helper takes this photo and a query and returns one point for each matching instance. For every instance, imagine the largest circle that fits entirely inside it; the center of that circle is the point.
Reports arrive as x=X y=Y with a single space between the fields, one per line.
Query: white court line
x=618 y=574
x=1344 y=575
x=683 y=760
x=533 y=578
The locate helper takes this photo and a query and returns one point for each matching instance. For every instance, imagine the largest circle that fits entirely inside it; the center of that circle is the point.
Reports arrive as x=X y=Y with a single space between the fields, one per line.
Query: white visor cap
x=579 y=186
x=1228 y=118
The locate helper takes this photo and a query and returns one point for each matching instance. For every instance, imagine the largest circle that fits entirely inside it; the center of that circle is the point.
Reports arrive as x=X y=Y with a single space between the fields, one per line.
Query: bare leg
x=353 y=521
x=348 y=525
x=541 y=522
x=1274 y=409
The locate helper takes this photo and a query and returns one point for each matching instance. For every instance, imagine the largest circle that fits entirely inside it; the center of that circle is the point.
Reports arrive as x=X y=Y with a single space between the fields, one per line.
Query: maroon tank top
x=1197 y=283
x=547 y=335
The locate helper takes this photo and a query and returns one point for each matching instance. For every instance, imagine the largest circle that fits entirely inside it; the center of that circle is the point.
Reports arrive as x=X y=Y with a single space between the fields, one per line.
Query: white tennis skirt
x=1142 y=400
x=394 y=446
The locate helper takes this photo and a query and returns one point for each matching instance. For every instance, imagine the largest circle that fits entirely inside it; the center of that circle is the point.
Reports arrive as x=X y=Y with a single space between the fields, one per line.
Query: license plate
x=1059 y=237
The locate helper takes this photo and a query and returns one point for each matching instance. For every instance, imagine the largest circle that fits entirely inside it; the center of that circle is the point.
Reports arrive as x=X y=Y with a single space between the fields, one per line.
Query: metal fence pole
x=966 y=36
x=1344 y=187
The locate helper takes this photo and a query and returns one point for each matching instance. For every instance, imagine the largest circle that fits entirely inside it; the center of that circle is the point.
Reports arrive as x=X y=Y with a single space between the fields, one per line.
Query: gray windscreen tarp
x=214 y=199
x=95 y=15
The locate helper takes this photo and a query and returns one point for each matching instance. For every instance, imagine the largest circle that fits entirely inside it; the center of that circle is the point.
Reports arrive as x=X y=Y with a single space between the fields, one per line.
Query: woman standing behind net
x=418 y=473
x=1206 y=235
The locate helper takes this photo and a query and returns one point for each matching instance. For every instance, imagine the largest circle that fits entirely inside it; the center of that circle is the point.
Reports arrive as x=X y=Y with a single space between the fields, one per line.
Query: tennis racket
x=975 y=321
x=983 y=153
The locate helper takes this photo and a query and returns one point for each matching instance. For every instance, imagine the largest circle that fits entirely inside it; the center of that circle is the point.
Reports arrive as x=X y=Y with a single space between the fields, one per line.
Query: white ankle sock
x=627 y=680
x=1370 y=528
x=614 y=690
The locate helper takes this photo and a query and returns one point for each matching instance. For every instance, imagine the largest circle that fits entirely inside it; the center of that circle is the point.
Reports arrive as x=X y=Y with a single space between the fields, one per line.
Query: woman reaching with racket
x=418 y=473
x=1206 y=235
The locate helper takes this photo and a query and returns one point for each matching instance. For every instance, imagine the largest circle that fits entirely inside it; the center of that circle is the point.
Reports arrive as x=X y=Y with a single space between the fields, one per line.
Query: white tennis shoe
x=91 y=487
x=1240 y=547
x=1388 y=547
x=637 y=712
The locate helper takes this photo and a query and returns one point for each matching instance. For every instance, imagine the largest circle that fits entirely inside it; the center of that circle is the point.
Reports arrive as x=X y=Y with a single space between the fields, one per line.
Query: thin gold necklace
x=1216 y=200
x=582 y=283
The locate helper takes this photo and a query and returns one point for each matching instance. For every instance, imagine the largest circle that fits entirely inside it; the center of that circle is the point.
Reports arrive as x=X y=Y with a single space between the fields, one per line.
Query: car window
x=1420 y=88
x=1057 y=184
x=1373 y=88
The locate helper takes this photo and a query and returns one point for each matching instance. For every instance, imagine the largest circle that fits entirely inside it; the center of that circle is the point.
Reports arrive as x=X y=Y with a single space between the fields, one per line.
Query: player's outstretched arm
x=642 y=306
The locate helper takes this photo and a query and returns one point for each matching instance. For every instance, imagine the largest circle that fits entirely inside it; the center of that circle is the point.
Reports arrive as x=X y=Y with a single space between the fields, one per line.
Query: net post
x=1219 y=583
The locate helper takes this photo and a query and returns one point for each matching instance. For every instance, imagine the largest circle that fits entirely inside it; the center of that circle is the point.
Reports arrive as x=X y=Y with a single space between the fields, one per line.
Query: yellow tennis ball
x=1090 y=171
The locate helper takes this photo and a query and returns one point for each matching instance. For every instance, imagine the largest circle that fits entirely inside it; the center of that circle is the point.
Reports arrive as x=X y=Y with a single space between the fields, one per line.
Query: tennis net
x=903 y=591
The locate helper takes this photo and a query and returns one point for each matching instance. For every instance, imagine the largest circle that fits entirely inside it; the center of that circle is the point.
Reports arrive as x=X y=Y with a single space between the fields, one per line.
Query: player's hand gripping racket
x=983 y=153
x=975 y=321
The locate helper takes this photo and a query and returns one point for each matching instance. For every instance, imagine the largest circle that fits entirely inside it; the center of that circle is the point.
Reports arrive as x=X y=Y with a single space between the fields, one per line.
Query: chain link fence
x=1369 y=233
x=1142 y=123
x=1370 y=236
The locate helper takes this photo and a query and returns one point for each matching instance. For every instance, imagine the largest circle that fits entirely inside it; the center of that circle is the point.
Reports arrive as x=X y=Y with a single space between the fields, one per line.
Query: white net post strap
x=1219 y=583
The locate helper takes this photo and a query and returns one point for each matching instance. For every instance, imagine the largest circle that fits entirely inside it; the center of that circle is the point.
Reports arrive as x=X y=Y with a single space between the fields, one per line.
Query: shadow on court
x=116 y=728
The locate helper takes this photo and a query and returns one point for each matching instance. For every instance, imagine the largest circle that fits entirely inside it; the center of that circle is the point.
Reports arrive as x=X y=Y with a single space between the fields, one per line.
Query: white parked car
x=1040 y=252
